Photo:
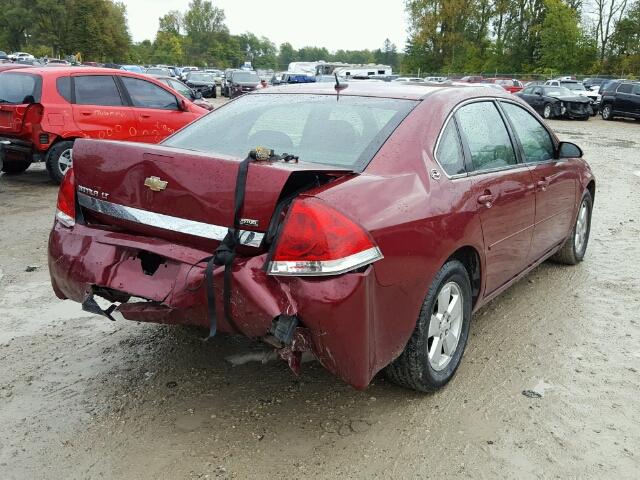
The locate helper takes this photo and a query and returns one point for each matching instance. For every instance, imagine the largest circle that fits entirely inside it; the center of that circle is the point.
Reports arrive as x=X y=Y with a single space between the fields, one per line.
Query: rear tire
x=433 y=353
x=13 y=168
x=575 y=247
x=547 y=111
x=607 y=112
x=59 y=159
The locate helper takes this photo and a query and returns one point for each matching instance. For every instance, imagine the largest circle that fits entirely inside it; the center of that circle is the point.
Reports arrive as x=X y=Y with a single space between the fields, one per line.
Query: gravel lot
x=81 y=397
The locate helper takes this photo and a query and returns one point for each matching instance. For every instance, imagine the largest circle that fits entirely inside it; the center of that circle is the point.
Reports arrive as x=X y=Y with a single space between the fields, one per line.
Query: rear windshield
x=20 y=88
x=245 y=77
x=317 y=128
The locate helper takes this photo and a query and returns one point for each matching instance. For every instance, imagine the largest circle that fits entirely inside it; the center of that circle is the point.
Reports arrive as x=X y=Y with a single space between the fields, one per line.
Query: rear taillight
x=66 y=207
x=316 y=239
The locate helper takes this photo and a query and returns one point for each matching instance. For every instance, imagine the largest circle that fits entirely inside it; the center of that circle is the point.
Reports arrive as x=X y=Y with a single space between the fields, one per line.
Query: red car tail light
x=316 y=239
x=66 y=207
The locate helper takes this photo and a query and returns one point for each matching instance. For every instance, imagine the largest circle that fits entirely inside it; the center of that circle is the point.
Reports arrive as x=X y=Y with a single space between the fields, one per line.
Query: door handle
x=86 y=113
x=486 y=200
x=543 y=183
x=145 y=115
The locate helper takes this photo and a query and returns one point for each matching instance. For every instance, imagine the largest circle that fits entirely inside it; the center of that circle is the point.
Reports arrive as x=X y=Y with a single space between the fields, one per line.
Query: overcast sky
x=335 y=24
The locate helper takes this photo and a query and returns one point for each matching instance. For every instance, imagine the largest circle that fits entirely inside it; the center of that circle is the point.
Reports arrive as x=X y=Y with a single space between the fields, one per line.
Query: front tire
x=607 y=112
x=59 y=160
x=433 y=353
x=575 y=247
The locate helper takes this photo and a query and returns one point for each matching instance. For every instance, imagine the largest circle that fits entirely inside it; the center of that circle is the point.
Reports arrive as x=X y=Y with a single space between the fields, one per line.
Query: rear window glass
x=317 y=128
x=625 y=88
x=20 y=88
x=97 y=90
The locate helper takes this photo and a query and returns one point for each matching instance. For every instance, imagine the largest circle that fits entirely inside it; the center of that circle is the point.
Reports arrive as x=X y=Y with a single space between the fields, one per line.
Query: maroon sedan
x=366 y=231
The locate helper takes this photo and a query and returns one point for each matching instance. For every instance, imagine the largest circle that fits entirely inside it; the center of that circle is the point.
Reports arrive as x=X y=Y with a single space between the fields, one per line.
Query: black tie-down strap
x=225 y=254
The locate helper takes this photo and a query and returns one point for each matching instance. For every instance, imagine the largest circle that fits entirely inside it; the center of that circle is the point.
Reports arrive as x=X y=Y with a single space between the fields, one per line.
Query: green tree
x=286 y=55
x=559 y=38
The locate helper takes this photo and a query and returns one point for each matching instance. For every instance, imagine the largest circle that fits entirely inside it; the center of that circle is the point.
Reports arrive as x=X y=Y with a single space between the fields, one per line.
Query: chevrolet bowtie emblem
x=155 y=184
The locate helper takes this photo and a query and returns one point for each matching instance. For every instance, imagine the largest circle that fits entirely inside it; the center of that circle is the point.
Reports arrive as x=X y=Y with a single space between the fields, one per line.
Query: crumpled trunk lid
x=180 y=195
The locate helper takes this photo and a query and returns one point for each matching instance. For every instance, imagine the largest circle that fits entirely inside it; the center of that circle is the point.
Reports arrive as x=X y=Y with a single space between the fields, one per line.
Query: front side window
x=148 y=95
x=449 y=153
x=316 y=128
x=97 y=90
x=534 y=138
x=486 y=136
x=636 y=89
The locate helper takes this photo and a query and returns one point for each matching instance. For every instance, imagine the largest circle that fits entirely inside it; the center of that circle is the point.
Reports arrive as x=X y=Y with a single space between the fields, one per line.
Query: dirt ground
x=81 y=397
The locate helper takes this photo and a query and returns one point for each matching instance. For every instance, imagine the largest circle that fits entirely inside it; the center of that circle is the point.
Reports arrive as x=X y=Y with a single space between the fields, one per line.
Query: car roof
x=383 y=90
x=63 y=70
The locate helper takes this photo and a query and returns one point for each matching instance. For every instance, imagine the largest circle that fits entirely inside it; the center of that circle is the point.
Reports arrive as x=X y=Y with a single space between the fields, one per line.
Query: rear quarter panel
x=417 y=222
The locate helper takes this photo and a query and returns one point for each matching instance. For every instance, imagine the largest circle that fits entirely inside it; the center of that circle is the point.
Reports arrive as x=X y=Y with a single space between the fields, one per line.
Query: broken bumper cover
x=336 y=318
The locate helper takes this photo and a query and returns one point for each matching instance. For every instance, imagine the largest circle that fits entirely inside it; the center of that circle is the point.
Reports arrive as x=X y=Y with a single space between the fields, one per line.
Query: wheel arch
x=470 y=258
x=591 y=187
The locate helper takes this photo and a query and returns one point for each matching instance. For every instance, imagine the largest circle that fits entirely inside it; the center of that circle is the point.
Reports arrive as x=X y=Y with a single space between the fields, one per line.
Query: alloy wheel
x=547 y=111
x=582 y=227
x=606 y=112
x=65 y=161
x=445 y=326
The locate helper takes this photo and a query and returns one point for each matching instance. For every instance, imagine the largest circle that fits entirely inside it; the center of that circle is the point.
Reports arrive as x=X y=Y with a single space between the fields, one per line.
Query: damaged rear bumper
x=161 y=282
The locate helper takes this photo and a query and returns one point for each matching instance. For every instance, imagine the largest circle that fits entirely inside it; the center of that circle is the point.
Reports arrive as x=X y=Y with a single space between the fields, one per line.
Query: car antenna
x=339 y=86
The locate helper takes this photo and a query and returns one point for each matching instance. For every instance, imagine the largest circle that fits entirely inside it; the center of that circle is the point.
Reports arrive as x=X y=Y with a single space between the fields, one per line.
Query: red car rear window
x=20 y=88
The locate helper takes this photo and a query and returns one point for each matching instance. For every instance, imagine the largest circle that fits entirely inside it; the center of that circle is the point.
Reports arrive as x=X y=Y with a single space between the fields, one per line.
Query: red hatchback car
x=44 y=110
x=387 y=216
x=511 y=85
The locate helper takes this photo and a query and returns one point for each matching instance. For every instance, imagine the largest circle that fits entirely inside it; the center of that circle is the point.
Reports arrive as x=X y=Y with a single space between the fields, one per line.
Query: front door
x=157 y=110
x=99 y=109
x=554 y=181
x=503 y=189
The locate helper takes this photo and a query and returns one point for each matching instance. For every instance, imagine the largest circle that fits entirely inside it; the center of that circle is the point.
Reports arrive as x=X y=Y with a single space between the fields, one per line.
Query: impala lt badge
x=155 y=184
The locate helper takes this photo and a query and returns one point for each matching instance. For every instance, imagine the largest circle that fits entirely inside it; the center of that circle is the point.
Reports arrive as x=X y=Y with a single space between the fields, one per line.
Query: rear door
x=99 y=108
x=503 y=189
x=554 y=180
x=623 y=102
x=158 y=111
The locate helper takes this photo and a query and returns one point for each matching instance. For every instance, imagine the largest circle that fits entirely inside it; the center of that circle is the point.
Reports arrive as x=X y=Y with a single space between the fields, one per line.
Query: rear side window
x=636 y=89
x=97 y=90
x=63 y=84
x=625 y=88
x=18 y=88
x=148 y=95
x=449 y=152
x=534 y=138
x=486 y=135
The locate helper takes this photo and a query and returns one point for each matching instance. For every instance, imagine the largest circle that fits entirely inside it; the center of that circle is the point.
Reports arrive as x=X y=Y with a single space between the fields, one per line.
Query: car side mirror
x=569 y=150
x=183 y=105
x=539 y=93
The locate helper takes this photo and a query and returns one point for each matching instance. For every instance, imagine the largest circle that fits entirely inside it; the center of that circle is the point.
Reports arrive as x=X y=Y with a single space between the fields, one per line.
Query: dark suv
x=621 y=99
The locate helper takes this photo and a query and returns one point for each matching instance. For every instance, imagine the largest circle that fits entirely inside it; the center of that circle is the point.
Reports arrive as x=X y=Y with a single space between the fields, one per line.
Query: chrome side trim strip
x=166 y=222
